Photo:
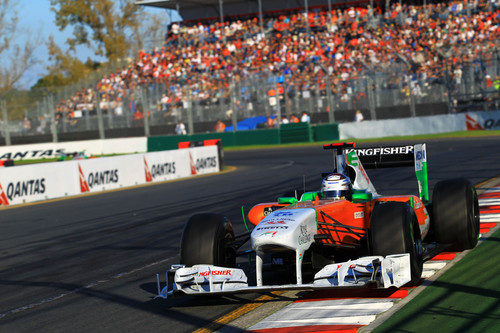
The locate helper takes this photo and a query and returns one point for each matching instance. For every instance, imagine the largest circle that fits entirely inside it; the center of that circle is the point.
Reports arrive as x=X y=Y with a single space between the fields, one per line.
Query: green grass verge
x=461 y=134
x=466 y=298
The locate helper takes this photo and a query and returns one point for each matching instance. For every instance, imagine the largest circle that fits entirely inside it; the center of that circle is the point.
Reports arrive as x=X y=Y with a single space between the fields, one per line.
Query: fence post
x=53 y=127
x=146 y=112
x=278 y=104
x=6 y=132
x=410 y=96
x=371 y=99
x=100 y=121
x=189 y=109
x=331 y=116
x=234 y=120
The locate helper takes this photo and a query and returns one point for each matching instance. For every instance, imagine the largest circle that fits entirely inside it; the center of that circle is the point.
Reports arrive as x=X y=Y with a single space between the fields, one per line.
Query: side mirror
x=288 y=200
x=361 y=196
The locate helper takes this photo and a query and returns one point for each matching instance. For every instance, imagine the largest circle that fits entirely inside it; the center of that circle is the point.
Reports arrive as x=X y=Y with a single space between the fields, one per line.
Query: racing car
x=345 y=235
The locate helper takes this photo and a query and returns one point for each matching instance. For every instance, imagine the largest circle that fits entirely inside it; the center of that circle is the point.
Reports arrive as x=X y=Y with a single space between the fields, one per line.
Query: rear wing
x=386 y=157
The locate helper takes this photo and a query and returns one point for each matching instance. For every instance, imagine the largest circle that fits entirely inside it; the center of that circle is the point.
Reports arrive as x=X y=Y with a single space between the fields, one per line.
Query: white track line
x=489 y=202
x=489 y=217
x=77 y=290
x=330 y=312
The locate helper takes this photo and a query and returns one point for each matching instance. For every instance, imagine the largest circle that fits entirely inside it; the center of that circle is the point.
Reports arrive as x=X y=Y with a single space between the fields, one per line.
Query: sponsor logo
x=31 y=154
x=304 y=236
x=192 y=165
x=213 y=273
x=277 y=261
x=418 y=204
x=206 y=163
x=3 y=197
x=158 y=170
x=283 y=214
x=359 y=215
x=272 y=233
x=472 y=124
x=149 y=177
x=352 y=158
x=381 y=151
x=488 y=123
x=273 y=227
x=23 y=188
x=275 y=222
x=96 y=178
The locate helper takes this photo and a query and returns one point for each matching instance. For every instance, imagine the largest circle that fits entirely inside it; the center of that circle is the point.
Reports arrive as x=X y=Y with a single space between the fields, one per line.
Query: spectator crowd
x=326 y=50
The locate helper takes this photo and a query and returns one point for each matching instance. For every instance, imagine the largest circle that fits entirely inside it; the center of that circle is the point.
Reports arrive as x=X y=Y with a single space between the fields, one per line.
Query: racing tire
x=206 y=239
x=393 y=230
x=455 y=214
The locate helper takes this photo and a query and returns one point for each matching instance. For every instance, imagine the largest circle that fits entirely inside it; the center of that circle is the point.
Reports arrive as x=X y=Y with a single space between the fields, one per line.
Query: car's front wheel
x=207 y=239
x=394 y=230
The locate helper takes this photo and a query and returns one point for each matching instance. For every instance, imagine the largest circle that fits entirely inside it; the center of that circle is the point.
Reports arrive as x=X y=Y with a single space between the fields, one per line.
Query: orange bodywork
x=355 y=215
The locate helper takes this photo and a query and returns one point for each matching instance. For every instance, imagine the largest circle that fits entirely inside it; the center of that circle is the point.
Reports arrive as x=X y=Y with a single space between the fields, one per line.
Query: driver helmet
x=336 y=186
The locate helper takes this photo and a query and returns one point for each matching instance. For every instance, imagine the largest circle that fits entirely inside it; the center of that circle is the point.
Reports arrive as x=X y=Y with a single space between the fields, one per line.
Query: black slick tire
x=455 y=214
x=206 y=239
x=394 y=230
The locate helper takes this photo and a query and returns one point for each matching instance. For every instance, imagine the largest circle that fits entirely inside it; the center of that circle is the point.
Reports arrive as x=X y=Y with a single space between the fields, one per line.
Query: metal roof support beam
x=261 y=20
x=221 y=11
x=307 y=16
x=330 y=9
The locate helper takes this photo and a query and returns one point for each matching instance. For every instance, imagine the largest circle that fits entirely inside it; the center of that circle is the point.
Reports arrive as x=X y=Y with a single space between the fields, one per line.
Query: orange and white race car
x=346 y=235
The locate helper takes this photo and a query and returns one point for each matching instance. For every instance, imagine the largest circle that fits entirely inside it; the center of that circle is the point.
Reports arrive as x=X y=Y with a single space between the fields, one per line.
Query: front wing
x=375 y=271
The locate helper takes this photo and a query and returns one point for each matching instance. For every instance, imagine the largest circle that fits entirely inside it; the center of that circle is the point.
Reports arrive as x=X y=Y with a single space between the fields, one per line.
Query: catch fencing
x=155 y=109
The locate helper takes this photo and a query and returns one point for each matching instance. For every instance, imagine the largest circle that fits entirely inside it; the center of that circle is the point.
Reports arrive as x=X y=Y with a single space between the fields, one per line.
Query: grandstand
x=397 y=61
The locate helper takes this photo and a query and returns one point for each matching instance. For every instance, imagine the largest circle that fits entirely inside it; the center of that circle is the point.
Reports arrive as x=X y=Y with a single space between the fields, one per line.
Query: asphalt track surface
x=89 y=263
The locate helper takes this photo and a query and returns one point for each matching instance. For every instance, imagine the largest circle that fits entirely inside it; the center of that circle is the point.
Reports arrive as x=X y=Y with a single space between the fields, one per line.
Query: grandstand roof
x=200 y=9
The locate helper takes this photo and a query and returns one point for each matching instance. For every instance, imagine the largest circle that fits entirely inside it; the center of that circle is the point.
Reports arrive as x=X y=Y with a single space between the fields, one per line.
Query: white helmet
x=336 y=186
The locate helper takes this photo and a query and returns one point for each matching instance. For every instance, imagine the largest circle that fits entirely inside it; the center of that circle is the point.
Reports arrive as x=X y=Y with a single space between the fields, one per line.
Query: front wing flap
x=382 y=272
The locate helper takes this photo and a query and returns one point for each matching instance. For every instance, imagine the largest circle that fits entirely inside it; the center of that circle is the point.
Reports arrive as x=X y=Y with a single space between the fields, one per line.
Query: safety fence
x=155 y=108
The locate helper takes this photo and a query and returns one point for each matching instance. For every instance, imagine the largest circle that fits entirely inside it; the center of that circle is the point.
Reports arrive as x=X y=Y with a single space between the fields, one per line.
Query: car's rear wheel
x=455 y=214
x=207 y=239
x=394 y=230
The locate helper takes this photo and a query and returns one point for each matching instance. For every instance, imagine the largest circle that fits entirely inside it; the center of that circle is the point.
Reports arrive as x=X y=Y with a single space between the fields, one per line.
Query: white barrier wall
x=93 y=147
x=401 y=127
x=45 y=181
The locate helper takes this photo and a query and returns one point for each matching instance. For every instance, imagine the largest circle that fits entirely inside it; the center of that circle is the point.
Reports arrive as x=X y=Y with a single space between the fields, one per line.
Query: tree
x=102 y=25
x=15 y=59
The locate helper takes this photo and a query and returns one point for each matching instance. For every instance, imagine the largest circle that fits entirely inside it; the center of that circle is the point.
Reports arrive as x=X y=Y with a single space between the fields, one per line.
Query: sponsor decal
x=149 y=177
x=304 y=236
x=277 y=261
x=22 y=188
x=84 y=186
x=275 y=222
x=3 y=197
x=352 y=158
x=213 y=273
x=272 y=233
x=31 y=154
x=418 y=204
x=483 y=124
x=206 y=163
x=192 y=165
x=283 y=214
x=96 y=178
x=359 y=215
x=381 y=151
x=273 y=227
x=158 y=170
x=472 y=124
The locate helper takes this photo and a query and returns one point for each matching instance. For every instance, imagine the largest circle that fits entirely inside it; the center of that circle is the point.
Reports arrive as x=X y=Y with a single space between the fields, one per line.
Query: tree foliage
x=15 y=59
x=102 y=25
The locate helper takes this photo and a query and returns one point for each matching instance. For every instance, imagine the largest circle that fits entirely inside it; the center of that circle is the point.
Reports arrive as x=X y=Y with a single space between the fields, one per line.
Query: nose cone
x=290 y=228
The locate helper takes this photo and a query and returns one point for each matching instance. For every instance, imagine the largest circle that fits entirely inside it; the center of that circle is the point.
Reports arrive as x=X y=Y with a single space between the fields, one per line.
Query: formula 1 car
x=365 y=240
